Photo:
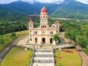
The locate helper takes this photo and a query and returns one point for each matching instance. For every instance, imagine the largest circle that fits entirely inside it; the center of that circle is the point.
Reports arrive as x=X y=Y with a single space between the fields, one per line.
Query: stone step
x=43 y=64
x=43 y=61
x=43 y=58
x=43 y=55
x=43 y=50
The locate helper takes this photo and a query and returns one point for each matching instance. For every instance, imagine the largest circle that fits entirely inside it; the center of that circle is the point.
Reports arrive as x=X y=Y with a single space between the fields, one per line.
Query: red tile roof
x=56 y=22
x=30 y=22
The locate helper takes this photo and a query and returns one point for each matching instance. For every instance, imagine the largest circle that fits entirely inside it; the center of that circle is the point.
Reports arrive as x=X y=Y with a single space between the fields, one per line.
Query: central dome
x=44 y=9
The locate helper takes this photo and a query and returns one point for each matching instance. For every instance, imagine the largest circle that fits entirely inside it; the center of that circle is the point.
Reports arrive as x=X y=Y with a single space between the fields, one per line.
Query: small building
x=44 y=33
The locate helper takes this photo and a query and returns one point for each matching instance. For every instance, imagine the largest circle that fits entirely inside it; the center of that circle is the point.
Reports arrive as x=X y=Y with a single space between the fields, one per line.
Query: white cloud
x=83 y=1
x=6 y=1
x=44 y=1
x=48 y=1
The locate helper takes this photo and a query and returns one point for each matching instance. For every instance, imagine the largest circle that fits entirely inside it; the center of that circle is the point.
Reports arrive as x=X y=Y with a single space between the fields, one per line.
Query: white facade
x=44 y=33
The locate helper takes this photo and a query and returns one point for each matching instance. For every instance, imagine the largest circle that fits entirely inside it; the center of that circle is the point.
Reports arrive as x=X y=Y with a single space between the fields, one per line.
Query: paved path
x=82 y=54
x=6 y=50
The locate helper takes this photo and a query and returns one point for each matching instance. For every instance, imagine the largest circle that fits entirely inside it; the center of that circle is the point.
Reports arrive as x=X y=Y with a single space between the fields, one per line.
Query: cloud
x=6 y=1
x=42 y=1
x=48 y=1
x=83 y=1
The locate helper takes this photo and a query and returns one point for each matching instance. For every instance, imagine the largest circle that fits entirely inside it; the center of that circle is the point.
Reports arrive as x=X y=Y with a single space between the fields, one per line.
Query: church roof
x=44 y=9
x=57 y=22
x=30 y=22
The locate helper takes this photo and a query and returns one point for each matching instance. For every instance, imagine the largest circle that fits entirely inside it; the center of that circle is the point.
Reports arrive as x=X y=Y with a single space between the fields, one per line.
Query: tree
x=56 y=38
x=1 y=40
x=82 y=40
x=13 y=34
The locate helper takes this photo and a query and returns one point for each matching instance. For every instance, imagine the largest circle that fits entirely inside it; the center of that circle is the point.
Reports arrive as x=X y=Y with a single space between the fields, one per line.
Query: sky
x=43 y=1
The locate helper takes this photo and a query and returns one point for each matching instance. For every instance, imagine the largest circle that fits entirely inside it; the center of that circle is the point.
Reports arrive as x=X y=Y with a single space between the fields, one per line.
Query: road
x=62 y=40
x=83 y=55
x=6 y=50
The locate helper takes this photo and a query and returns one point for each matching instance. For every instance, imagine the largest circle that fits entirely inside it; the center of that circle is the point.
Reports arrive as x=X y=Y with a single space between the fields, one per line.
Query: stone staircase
x=43 y=57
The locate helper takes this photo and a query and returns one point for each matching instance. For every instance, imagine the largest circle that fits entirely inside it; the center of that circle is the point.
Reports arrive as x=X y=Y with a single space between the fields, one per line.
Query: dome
x=44 y=9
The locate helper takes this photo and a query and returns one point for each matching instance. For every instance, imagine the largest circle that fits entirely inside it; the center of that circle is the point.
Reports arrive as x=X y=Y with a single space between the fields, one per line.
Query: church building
x=44 y=33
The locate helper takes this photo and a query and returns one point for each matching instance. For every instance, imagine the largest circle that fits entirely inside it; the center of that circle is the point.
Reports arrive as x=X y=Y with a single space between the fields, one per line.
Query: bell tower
x=44 y=16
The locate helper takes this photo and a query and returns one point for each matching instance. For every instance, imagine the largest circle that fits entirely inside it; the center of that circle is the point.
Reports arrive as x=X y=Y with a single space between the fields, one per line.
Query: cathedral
x=43 y=34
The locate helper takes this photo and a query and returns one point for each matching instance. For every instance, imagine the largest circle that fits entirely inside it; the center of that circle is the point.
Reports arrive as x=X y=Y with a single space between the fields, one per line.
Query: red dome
x=44 y=9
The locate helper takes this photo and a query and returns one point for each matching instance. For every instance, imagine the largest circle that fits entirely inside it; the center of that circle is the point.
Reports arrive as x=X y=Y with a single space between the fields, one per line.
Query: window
x=30 y=39
x=43 y=32
x=57 y=25
x=43 y=16
x=43 y=26
x=35 y=32
x=56 y=31
x=51 y=32
x=30 y=25
x=30 y=30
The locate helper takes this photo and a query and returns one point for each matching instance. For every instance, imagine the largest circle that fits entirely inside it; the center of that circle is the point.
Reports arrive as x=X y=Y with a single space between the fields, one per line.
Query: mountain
x=27 y=8
x=71 y=9
x=9 y=15
x=68 y=9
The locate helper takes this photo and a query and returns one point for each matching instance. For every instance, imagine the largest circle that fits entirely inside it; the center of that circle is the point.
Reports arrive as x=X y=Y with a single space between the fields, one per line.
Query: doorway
x=43 y=40
x=51 y=41
x=36 y=40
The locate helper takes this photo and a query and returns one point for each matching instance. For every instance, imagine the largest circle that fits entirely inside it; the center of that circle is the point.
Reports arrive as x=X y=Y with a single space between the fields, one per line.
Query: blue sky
x=44 y=1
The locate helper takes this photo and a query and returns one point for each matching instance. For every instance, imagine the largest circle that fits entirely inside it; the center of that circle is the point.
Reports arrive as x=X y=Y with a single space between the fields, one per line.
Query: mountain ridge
x=68 y=9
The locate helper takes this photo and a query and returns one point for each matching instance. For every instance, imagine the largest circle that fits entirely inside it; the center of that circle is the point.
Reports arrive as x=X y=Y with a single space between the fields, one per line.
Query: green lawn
x=7 y=38
x=17 y=56
x=68 y=57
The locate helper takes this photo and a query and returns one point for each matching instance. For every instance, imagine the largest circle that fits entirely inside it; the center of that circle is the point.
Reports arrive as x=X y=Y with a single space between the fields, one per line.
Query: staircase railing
x=32 y=56
x=53 y=55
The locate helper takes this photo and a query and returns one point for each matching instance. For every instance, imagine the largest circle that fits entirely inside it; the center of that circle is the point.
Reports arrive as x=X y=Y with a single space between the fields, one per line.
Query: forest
x=77 y=31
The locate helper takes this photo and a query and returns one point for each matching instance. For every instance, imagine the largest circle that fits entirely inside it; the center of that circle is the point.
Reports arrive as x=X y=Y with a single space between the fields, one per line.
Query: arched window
x=30 y=25
x=30 y=39
x=56 y=31
x=51 y=32
x=43 y=26
x=43 y=16
x=35 y=32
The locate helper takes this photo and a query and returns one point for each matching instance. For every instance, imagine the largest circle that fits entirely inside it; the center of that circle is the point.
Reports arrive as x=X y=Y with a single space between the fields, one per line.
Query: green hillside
x=71 y=9
x=9 y=15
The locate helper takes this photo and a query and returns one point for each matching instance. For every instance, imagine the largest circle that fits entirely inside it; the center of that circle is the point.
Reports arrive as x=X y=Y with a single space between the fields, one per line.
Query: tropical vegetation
x=77 y=31
x=6 y=39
